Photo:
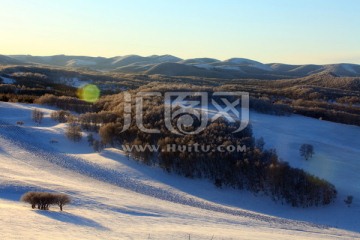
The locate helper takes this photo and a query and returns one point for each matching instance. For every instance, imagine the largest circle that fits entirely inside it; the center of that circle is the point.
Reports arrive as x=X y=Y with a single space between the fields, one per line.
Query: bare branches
x=43 y=200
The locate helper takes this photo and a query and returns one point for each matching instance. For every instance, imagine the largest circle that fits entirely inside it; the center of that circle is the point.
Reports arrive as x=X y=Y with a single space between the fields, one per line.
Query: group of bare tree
x=61 y=116
x=73 y=129
x=43 y=200
x=66 y=103
x=326 y=103
x=256 y=170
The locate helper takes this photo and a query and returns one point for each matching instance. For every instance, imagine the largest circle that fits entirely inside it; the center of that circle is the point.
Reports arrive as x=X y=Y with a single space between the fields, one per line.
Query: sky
x=286 y=31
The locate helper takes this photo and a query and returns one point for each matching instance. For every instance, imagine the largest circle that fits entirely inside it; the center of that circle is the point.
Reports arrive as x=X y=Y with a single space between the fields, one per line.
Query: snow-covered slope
x=249 y=63
x=72 y=81
x=118 y=198
x=336 y=159
x=80 y=63
x=6 y=80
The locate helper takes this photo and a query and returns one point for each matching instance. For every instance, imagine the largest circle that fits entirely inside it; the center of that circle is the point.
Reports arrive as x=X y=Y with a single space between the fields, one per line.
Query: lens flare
x=89 y=93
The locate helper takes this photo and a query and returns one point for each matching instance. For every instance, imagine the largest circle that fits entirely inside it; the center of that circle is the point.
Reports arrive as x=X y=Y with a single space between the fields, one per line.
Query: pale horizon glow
x=294 y=32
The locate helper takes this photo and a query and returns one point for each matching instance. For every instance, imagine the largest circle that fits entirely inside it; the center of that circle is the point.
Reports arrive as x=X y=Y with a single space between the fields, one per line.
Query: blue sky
x=305 y=31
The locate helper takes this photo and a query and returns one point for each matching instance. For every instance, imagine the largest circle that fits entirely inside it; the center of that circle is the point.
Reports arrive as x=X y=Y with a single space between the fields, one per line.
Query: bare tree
x=306 y=151
x=90 y=139
x=98 y=146
x=107 y=133
x=29 y=197
x=37 y=116
x=62 y=199
x=73 y=132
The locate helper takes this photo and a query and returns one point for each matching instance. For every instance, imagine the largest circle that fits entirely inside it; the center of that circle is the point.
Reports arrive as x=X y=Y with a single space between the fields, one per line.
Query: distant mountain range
x=174 y=66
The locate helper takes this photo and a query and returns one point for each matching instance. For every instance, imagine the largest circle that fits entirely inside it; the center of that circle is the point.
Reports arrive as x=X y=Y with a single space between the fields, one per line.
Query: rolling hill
x=117 y=198
x=201 y=67
x=5 y=60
